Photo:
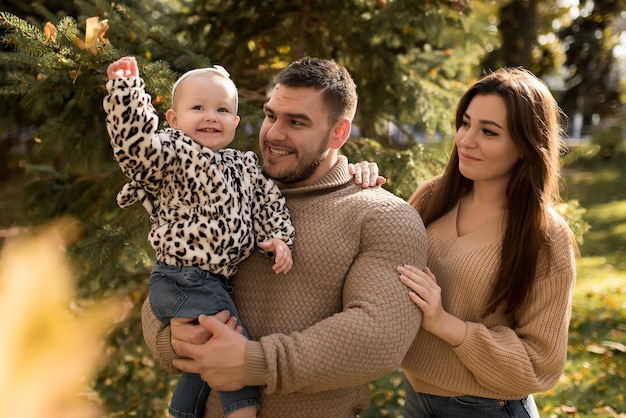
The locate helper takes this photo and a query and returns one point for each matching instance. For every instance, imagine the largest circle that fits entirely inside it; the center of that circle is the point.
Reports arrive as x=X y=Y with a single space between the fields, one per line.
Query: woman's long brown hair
x=533 y=117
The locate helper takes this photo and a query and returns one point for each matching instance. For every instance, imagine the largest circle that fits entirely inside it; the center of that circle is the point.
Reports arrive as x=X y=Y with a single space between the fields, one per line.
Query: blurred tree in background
x=575 y=46
x=522 y=24
x=411 y=62
x=592 y=80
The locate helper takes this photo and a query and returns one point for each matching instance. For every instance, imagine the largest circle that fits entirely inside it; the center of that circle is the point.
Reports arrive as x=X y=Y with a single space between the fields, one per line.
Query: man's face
x=295 y=136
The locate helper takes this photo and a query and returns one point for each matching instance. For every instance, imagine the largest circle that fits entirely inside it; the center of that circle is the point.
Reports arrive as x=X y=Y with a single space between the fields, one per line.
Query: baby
x=209 y=205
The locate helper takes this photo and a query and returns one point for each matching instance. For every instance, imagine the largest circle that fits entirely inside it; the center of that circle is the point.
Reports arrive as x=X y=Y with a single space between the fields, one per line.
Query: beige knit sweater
x=495 y=360
x=340 y=318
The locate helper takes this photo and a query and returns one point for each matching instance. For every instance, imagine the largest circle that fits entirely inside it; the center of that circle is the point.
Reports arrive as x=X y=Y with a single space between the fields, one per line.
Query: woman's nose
x=466 y=138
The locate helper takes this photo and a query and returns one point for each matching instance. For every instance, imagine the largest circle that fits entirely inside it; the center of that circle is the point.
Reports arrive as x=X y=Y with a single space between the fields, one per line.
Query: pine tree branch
x=25 y=30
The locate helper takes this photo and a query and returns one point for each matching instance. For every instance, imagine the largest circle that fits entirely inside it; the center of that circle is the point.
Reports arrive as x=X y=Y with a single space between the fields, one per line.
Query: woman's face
x=486 y=149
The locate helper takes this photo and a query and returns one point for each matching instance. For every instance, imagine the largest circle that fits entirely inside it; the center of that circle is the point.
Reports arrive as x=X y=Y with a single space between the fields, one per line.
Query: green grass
x=593 y=383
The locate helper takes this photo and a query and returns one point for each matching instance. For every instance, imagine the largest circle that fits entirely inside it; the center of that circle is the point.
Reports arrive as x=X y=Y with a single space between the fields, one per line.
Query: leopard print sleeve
x=271 y=216
x=140 y=149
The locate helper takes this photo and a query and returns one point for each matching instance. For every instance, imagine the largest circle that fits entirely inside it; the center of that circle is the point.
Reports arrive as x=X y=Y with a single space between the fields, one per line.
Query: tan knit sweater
x=340 y=318
x=495 y=360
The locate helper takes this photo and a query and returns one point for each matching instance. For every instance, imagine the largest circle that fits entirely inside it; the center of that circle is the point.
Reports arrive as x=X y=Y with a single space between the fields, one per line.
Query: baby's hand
x=125 y=67
x=282 y=255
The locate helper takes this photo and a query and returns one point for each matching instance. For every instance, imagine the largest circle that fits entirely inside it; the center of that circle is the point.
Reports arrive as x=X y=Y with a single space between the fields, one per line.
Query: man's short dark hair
x=339 y=89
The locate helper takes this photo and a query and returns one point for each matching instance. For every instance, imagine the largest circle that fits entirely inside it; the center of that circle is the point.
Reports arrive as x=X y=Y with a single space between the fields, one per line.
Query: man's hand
x=219 y=360
x=188 y=330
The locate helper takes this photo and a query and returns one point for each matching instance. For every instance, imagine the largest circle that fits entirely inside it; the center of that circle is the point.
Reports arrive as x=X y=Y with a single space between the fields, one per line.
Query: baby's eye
x=222 y=109
x=197 y=107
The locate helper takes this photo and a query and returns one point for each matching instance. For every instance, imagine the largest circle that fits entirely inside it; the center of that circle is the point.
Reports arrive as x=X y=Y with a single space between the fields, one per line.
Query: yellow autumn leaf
x=50 y=32
x=49 y=352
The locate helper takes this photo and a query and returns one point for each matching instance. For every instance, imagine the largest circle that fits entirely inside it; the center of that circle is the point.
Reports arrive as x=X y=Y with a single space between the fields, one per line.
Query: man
x=341 y=317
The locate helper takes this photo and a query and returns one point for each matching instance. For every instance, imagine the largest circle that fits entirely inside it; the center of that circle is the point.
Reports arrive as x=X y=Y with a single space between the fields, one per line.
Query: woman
x=496 y=295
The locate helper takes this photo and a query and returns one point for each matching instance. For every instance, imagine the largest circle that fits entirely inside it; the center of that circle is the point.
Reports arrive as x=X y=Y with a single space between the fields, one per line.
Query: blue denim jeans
x=421 y=405
x=188 y=292
x=191 y=393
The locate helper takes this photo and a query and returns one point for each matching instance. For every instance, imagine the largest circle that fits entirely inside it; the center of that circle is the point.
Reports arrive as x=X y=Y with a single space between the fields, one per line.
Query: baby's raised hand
x=125 y=67
x=282 y=255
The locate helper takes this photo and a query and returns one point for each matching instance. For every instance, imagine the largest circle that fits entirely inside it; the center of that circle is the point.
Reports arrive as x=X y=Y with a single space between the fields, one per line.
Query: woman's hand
x=426 y=293
x=366 y=174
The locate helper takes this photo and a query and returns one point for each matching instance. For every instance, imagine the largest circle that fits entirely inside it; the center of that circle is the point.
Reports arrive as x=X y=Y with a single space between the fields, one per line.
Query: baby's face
x=205 y=110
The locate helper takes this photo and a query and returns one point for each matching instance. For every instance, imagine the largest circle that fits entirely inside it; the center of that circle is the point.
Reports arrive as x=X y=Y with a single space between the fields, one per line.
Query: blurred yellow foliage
x=49 y=351
x=95 y=29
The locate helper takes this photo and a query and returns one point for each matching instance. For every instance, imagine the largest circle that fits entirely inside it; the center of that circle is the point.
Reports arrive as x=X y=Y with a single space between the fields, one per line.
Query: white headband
x=216 y=69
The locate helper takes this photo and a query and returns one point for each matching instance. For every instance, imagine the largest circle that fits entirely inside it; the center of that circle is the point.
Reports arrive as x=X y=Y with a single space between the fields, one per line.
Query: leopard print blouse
x=208 y=209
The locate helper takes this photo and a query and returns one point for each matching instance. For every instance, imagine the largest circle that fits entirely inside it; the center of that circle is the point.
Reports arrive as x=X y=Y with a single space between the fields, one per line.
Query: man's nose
x=276 y=131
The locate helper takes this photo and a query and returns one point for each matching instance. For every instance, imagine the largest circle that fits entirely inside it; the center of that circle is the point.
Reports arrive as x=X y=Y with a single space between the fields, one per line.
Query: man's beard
x=305 y=167
x=301 y=172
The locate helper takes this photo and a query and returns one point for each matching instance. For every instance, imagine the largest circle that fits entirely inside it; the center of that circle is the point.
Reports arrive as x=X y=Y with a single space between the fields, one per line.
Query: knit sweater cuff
x=166 y=354
x=255 y=365
x=157 y=337
x=472 y=343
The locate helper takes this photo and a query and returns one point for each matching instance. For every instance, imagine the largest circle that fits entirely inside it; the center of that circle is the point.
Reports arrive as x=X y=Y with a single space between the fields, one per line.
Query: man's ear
x=172 y=120
x=341 y=133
